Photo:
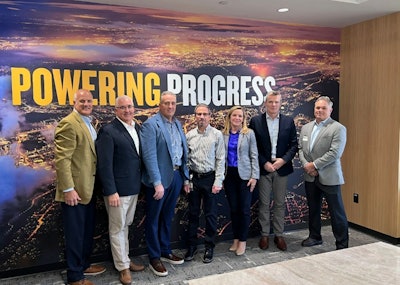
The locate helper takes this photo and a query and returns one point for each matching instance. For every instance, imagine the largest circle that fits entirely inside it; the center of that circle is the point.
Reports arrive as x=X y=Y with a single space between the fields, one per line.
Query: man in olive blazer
x=322 y=143
x=75 y=166
x=75 y=161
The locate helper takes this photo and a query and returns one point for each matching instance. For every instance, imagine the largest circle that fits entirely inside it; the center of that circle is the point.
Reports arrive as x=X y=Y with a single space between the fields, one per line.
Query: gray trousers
x=275 y=184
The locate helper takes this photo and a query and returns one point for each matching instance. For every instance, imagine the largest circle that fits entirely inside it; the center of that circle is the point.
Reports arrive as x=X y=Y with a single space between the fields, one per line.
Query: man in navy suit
x=164 y=153
x=277 y=145
x=322 y=143
x=119 y=169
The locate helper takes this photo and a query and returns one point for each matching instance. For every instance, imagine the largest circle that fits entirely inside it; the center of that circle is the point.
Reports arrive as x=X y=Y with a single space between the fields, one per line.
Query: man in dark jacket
x=277 y=145
x=119 y=168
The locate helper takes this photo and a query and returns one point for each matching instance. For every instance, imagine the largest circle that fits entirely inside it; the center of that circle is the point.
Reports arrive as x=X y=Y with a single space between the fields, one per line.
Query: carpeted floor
x=224 y=261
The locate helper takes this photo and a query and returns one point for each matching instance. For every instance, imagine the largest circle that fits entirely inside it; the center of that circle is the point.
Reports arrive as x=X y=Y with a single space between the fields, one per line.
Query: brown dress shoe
x=81 y=282
x=280 y=243
x=125 y=277
x=94 y=269
x=136 y=267
x=172 y=259
x=264 y=242
x=158 y=268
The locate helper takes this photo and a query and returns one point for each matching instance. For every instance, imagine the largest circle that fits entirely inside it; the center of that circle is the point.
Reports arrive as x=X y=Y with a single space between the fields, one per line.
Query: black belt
x=202 y=175
x=176 y=167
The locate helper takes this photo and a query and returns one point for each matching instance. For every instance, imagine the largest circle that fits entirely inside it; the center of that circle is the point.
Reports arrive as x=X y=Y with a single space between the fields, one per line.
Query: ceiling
x=324 y=13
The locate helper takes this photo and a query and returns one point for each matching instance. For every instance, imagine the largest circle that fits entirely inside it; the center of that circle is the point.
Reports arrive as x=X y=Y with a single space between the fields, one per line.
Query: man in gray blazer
x=322 y=143
x=164 y=153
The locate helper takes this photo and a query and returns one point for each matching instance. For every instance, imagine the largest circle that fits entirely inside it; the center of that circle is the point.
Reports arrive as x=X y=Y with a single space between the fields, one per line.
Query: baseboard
x=376 y=234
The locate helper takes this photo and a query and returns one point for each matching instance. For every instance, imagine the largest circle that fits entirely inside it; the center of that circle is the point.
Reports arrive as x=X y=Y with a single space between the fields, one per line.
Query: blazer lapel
x=266 y=130
x=307 y=135
x=85 y=130
x=324 y=129
x=125 y=132
x=240 y=141
x=137 y=128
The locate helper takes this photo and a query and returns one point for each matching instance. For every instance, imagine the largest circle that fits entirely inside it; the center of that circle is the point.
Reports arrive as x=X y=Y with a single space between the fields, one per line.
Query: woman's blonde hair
x=227 y=124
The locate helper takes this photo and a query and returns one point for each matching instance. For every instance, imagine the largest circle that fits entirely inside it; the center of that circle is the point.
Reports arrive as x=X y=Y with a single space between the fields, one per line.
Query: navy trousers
x=159 y=214
x=315 y=191
x=79 y=224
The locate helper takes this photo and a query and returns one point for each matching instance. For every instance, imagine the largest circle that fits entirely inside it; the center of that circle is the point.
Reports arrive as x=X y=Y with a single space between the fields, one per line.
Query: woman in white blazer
x=242 y=173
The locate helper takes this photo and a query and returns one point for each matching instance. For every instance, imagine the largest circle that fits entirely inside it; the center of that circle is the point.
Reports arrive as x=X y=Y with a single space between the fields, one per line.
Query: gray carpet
x=224 y=261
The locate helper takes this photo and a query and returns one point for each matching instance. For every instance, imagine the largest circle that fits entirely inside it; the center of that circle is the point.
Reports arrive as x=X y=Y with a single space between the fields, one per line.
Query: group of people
x=124 y=157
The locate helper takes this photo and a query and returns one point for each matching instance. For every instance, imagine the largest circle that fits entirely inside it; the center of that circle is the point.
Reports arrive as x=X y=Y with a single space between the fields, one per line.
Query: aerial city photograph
x=50 y=49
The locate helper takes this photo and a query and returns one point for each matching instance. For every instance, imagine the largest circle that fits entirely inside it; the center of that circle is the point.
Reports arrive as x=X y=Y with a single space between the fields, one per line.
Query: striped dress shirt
x=207 y=152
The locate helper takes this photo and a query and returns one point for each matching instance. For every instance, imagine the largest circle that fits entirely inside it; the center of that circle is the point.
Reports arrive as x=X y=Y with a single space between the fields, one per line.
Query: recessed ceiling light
x=351 y=1
x=283 y=10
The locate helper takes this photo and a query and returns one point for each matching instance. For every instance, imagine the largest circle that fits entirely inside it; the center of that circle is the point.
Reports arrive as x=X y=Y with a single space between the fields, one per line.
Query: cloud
x=19 y=182
x=10 y=117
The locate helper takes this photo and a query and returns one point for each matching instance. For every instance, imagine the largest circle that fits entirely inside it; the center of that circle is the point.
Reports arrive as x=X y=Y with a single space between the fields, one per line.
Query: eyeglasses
x=129 y=107
x=202 y=114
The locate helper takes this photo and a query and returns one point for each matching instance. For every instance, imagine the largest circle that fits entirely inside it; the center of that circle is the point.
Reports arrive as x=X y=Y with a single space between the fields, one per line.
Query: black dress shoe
x=191 y=252
x=342 y=245
x=208 y=255
x=311 y=242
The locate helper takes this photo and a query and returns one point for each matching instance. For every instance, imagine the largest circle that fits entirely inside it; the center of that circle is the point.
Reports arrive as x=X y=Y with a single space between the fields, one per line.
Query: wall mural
x=50 y=49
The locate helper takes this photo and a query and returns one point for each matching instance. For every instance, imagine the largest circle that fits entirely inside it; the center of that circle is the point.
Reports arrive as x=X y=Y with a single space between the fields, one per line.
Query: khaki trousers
x=119 y=220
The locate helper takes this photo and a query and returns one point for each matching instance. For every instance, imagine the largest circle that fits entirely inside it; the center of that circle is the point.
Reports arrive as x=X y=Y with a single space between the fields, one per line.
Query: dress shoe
x=280 y=243
x=342 y=245
x=191 y=252
x=264 y=242
x=208 y=255
x=81 y=282
x=158 y=268
x=172 y=259
x=94 y=269
x=125 y=277
x=136 y=267
x=311 y=242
